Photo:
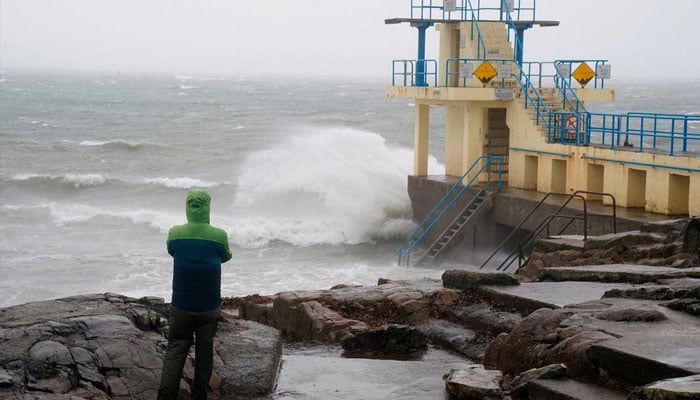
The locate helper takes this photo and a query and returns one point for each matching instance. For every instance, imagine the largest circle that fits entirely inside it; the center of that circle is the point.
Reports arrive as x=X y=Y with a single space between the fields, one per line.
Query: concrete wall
x=511 y=206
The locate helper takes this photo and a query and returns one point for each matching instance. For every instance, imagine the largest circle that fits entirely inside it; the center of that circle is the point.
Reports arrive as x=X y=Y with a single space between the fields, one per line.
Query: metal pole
x=420 y=63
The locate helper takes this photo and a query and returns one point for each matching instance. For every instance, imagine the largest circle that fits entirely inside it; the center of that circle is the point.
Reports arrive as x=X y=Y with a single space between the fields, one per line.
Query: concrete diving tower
x=533 y=114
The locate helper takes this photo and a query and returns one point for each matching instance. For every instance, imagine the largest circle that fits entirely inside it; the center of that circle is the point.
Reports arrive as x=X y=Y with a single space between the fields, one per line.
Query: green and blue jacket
x=198 y=250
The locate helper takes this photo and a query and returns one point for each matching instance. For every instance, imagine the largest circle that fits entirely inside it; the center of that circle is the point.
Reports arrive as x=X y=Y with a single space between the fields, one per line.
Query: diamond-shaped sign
x=583 y=74
x=485 y=72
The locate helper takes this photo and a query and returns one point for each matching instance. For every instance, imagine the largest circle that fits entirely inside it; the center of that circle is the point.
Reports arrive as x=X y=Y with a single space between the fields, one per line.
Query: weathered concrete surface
x=555 y=294
x=644 y=357
x=628 y=273
x=111 y=346
x=566 y=389
x=686 y=388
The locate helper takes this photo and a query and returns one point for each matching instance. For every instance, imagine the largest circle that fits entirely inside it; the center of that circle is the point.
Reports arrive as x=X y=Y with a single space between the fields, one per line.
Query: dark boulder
x=393 y=341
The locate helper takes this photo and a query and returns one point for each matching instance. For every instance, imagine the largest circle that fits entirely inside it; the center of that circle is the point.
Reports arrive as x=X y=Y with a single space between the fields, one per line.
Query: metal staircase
x=451 y=236
x=481 y=166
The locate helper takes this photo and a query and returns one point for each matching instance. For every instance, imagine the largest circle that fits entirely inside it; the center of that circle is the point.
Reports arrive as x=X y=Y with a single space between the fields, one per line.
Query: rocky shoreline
x=615 y=317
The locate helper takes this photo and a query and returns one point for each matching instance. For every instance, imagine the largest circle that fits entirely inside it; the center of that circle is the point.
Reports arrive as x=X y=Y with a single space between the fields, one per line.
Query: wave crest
x=117 y=144
x=326 y=186
x=88 y=180
x=75 y=180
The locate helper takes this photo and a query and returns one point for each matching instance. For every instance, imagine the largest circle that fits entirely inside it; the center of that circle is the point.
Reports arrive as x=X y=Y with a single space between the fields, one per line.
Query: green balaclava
x=197 y=206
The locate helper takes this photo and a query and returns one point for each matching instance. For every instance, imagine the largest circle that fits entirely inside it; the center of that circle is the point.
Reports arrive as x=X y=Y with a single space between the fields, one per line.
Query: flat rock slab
x=629 y=273
x=466 y=279
x=557 y=294
x=555 y=389
x=654 y=354
x=687 y=387
x=554 y=243
x=321 y=378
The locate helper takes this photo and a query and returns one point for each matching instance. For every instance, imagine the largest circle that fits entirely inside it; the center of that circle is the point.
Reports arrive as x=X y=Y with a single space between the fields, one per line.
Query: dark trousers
x=187 y=327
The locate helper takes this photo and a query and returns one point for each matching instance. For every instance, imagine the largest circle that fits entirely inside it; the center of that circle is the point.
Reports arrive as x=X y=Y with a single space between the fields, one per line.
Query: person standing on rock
x=198 y=250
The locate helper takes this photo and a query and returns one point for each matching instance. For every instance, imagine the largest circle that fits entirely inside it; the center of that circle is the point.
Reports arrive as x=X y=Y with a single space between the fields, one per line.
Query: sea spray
x=324 y=186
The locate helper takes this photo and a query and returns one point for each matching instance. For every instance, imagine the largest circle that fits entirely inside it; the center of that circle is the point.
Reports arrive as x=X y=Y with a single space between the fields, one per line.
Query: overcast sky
x=640 y=38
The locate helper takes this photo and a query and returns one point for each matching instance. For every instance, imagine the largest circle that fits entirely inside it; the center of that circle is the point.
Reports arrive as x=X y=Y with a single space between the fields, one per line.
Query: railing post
x=673 y=131
x=685 y=134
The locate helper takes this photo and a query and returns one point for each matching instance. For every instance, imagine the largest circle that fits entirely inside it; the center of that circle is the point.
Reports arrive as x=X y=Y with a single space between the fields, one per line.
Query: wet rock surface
x=110 y=346
x=474 y=383
x=393 y=341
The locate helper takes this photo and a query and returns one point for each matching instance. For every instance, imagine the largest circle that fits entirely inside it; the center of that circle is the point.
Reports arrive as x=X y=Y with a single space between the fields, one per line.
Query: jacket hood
x=197 y=206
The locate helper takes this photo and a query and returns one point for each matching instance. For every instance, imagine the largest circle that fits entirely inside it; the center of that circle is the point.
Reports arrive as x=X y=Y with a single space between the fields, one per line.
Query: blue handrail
x=480 y=44
x=487 y=9
x=532 y=95
x=407 y=69
x=438 y=212
x=569 y=65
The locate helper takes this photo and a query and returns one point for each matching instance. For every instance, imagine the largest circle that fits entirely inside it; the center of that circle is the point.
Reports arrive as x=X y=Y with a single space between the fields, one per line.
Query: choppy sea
x=307 y=176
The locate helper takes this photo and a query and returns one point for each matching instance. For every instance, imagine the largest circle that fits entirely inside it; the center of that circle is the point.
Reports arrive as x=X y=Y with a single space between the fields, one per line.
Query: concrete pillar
x=657 y=191
x=475 y=124
x=694 y=205
x=454 y=140
x=449 y=48
x=420 y=140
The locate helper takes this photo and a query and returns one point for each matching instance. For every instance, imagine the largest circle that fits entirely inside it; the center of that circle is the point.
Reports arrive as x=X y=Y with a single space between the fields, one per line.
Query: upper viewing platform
x=533 y=114
x=481 y=58
x=450 y=11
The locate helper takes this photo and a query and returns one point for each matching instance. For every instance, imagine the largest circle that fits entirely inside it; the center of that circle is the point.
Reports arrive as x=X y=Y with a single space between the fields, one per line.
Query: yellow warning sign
x=583 y=74
x=485 y=72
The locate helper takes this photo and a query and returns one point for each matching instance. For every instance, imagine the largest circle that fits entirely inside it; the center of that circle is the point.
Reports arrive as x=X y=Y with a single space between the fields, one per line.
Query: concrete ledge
x=629 y=273
x=565 y=389
x=642 y=361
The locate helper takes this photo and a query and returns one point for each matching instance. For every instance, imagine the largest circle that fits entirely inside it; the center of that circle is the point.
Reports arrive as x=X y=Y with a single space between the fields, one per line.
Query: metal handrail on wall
x=448 y=200
x=518 y=253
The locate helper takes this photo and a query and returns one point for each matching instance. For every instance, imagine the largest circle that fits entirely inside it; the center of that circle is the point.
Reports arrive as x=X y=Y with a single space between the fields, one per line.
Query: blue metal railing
x=481 y=50
x=663 y=133
x=568 y=65
x=532 y=96
x=524 y=10
x=445 y=204
x=407 y=72
x=666 y=133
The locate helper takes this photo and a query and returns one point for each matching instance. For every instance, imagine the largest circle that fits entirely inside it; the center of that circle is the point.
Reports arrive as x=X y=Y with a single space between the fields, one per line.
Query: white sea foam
x=181 y=183
x=62 y=214
x=76 y=180
x=115 y=143
x=327 y=186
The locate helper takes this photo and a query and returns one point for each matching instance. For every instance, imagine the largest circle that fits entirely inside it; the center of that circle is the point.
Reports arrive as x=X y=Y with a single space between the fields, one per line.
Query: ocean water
x=307 y=176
